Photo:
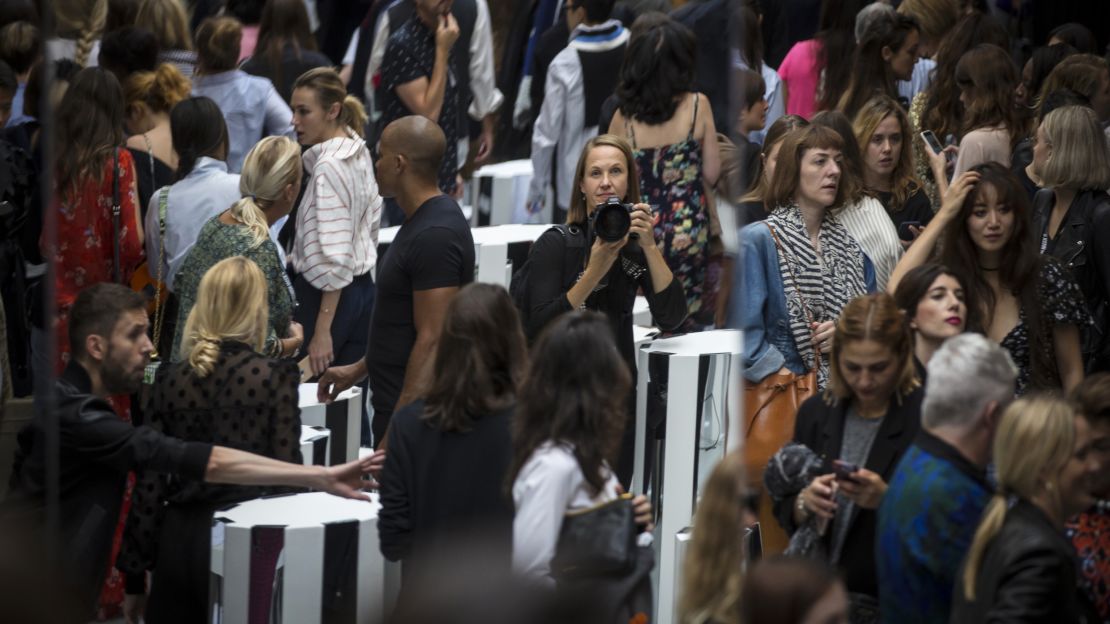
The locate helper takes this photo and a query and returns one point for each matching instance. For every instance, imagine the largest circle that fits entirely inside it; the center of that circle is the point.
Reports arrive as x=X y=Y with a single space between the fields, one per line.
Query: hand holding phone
x=932 y=141
x=844 y=470
x=906 y=230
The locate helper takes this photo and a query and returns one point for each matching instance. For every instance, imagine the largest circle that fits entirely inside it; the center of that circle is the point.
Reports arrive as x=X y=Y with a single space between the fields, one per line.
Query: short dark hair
x=658 y=67
x=480 y=359
x=851 y=174
x=1059 y=99
x=128 y=50
x=749 y=87
x=97 y=310
x=914 y=286
x=1077 y=36
x=596 y=10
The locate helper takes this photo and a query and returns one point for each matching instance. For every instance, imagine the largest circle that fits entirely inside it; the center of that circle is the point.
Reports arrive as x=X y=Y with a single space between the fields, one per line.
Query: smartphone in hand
x=904 y=231
x=844 y=470
x=932 y=141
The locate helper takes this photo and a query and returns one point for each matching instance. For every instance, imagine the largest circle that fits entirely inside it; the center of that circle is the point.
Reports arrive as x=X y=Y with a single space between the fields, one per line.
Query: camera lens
x=612 y=222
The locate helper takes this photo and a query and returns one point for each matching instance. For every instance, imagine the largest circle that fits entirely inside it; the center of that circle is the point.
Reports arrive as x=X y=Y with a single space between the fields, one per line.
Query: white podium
x=696 y=378
x=306 y=558
x=342 y=418
x=315 y=446
x=499 y=193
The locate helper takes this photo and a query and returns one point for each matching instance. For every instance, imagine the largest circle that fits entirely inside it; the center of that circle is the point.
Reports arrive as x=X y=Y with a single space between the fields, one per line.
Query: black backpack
x=575 y=239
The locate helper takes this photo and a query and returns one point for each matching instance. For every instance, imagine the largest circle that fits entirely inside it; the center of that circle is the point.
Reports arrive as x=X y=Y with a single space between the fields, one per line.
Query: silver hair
x=869 y=15
x=965 y=374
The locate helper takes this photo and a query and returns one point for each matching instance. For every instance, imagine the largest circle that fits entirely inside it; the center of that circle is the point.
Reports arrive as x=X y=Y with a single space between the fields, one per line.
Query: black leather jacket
x=1083 y=245
x=97 y=449
x=1028 y=574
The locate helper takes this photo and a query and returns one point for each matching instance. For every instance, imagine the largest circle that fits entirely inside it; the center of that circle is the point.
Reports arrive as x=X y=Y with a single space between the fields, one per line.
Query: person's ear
x=991 y=414
x=334 y=110
x=887 y=53
x=401 y=163
x=290 y=192
x=96 y=347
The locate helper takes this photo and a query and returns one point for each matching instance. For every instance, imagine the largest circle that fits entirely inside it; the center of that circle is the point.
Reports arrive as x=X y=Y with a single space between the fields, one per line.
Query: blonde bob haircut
x=875 y=317
x=1080 y=156
x=714 y=565
x=272 y=164
x=1034 y=441
x=903 y=182
x=578 y=212
x=168 y=21
x=231 y=305
x=788 y=166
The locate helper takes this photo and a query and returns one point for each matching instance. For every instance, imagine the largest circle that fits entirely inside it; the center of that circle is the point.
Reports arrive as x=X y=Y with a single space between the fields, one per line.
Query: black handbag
x=597 y=541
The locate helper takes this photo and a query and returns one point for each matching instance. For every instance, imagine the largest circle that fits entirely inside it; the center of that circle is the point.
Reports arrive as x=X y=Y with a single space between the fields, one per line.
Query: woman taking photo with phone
x=1026 y=302
x=858 y=430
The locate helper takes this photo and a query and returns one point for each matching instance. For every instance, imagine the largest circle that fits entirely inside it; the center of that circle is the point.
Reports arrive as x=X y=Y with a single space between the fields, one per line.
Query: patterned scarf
x=825 y=284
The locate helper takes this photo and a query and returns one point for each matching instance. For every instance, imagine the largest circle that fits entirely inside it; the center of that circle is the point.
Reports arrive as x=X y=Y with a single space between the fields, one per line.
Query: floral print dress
x=82 y=256
x=671 y=183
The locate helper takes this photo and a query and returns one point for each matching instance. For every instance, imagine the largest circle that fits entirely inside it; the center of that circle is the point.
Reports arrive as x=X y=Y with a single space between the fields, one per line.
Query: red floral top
x=1090 y=535
x=83 y=253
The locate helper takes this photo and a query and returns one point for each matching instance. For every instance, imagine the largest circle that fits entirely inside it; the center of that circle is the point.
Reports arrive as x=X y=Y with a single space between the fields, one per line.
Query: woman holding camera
x=573 y=268
x=858 y=430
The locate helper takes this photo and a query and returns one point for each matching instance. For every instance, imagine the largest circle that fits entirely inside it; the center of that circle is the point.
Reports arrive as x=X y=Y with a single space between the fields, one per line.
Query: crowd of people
x=906 y=201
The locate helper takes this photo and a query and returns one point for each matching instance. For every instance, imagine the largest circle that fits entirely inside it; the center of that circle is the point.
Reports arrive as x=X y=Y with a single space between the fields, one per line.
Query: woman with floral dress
x=675 y=142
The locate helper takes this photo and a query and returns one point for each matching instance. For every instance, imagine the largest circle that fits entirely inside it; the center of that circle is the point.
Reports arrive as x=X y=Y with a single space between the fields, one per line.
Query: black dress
x=290 y=66
x=248 y=402
x=915 y=208
x=151 y=174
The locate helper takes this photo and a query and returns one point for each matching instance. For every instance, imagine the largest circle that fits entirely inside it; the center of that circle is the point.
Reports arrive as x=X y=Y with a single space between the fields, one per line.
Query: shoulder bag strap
x=159 y=308
x=793 y=278
x=116 y=277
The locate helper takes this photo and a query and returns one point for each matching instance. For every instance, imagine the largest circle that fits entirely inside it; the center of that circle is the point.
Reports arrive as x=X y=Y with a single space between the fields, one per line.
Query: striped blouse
x=339 y=214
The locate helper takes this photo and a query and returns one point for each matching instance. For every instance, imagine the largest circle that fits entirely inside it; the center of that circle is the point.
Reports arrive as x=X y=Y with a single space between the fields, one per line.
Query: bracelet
x=801 y=504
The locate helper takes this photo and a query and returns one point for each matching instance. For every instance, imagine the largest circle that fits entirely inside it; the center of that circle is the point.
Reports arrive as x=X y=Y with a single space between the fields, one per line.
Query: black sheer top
x=248 y=402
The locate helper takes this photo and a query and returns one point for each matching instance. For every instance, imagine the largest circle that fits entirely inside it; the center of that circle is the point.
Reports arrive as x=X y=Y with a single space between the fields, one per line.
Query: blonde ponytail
x=231 y=304
x=1033 y=442
x=273 y=164
x=989 y=526
x=354 y=115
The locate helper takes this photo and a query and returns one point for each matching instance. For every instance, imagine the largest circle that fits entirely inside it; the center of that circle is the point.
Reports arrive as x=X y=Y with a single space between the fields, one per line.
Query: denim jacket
x=759 y=306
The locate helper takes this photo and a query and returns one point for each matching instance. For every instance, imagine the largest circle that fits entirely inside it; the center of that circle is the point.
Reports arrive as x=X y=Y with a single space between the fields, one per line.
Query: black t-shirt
x=917 y=208
x=433 y=249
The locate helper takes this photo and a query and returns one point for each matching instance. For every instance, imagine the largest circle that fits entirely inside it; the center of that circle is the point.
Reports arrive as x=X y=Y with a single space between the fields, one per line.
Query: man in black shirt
x=110 y=347
x=431 y=257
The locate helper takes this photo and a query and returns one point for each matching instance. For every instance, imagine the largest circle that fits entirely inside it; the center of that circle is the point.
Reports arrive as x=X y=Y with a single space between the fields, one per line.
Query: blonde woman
x=269 y=184
x=714 y=568
x=170 y=24
x=225 y=393
x=79 y=25
x=1020 y=567
x=335 y=246
x=1070 y=216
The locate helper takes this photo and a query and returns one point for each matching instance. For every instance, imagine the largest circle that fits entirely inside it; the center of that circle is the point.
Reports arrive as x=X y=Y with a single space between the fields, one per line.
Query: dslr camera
x=612 y=220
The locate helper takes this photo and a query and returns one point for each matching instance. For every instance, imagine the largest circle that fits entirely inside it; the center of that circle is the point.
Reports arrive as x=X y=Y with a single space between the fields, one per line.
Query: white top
x=981 y=146
x=560 y=130
x=57 y=49
x=549 y=485
x=207 y=191
x=487 y=98
x=339 y=215
x=919 y=81
x=868 y=223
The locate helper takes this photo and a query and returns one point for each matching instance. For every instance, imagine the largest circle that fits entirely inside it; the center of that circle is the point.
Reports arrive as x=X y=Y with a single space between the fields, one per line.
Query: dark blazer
x=820 y=427
x=1083 y=245
x=1027 y=575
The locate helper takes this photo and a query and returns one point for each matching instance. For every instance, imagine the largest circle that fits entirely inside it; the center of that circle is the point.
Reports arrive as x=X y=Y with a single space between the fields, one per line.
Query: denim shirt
x=759 y=306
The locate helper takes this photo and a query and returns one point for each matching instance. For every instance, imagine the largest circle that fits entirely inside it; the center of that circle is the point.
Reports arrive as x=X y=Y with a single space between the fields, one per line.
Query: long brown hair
x=330 y=90
x=284 y=23
x=480 y=359
x=575 y=393
x=89 y=128
x=1019 y=271
x=778 y=130
x=713 y=576
x=878 y=318
x=903 y=182
x=990 y=77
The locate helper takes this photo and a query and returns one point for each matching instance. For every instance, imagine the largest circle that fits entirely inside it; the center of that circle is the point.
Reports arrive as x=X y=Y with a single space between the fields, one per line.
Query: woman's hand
x=603 y=254
x=866 y=489
x=939 y=163
x=320 y=354
x=954 y=198
x=643 y=225
x=819 y=497
x=823 y=336
x=295 y=336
